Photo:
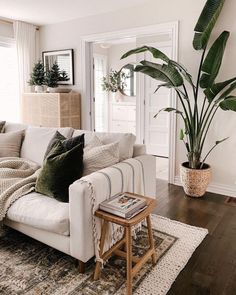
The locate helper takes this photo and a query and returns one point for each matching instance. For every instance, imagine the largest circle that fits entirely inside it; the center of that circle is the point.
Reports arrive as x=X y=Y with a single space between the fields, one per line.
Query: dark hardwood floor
x=212 y=268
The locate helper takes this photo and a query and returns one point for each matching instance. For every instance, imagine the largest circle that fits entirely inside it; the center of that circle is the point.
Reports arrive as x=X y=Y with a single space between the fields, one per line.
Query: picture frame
x=65 y=61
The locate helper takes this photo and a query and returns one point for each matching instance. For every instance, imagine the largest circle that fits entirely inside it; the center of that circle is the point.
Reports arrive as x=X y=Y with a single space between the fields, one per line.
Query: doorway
x=135 y=114
x=114 y=92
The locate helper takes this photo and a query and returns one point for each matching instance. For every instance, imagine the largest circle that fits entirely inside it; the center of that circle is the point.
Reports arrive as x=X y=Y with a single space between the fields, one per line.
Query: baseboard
x=217 y=188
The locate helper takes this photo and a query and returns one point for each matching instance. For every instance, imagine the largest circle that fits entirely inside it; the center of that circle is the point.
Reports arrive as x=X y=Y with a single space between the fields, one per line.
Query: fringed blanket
x=126 y=176
x=17 y=178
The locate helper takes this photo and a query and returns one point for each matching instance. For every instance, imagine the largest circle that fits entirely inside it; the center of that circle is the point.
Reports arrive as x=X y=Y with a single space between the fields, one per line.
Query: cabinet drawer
x=119 y=126
x=118 y=112
x=123 y=127
x=131 y=113
x=123 y=113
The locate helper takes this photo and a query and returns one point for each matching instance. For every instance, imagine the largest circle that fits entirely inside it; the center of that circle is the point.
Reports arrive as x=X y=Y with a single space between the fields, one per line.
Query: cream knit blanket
x=17 y=178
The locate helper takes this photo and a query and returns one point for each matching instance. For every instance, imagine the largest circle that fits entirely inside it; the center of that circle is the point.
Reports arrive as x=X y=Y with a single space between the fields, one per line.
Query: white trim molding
x=214 y=187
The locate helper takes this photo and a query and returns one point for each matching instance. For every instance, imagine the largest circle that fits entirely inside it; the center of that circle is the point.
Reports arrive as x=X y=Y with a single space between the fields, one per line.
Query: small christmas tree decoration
x=37 y=76
x=54 y=75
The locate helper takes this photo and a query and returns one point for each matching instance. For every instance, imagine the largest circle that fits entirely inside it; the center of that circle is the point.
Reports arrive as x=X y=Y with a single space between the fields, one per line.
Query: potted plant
x=53 y=77
x=37 y=77
x=197 y=114
x=115 y=82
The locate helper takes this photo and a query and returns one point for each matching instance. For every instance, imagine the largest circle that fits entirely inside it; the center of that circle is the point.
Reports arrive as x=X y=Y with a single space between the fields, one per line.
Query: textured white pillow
x=94 y=142
x=126 y=141
x=100 y=157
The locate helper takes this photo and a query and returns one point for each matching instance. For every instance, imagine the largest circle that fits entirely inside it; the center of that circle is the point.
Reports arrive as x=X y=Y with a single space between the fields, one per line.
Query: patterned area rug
x=30 y=267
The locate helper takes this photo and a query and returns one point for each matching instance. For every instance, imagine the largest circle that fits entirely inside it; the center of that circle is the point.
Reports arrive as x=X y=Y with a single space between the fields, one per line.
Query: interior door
x=156 y=131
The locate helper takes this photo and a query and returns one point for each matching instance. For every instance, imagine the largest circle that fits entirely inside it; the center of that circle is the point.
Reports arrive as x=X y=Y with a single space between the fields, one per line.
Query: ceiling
x=42 y=12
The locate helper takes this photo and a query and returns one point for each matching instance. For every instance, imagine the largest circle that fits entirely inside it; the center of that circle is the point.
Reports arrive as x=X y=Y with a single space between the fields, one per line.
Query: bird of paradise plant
x=197 y=115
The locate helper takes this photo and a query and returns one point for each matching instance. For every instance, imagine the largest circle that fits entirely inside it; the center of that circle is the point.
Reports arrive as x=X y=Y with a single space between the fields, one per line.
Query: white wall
x=67 y=35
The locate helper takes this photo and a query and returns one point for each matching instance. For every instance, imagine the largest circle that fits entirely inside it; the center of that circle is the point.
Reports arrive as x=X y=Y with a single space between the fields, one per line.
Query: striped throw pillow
x=2 y=126
x=10 y=144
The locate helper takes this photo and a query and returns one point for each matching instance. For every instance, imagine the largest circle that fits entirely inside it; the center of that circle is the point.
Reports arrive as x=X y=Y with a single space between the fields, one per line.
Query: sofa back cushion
x=12 y=127
x=36 y=142
x=10 y=144
x=126 y=141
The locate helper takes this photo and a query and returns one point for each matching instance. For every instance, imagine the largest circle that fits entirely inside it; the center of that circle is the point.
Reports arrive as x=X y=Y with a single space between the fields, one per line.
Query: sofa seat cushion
x=41 y=212
x=36 y=142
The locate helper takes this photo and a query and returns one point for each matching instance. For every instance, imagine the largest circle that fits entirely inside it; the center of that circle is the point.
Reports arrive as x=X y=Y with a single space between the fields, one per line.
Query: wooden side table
x=127 y=242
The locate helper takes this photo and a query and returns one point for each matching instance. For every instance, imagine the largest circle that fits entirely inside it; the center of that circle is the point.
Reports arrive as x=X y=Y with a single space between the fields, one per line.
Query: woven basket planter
x=195 y=181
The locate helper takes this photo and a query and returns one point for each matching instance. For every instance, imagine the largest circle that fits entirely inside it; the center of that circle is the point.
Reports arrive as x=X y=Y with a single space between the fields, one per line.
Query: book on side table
x=124 y=205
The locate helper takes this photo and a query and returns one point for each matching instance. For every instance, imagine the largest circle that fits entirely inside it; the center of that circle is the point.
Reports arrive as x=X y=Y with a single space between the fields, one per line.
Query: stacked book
x=124 y=205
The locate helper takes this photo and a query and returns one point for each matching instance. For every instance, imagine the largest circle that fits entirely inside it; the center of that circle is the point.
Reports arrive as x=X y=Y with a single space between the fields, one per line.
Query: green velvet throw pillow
x=60 y=169
x=68 y=143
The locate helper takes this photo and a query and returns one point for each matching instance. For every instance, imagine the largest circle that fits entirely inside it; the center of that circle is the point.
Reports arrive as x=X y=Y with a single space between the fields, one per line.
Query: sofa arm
x=149 y=171
x=139 y=150
x=81 y=231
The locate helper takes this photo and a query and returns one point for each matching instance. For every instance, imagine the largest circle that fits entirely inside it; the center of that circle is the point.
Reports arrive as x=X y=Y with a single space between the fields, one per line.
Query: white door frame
x=86 y=78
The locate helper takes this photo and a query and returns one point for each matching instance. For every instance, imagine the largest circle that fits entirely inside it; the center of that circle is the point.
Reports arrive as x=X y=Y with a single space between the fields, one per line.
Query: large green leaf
x=182 y=70
x=206 y=23
x=229 y=104
x=156 y=53
x=216 y=143
x=164 y=73
x=168 y=110
x=213 y=60
x=227 y=92
x=215 y=89
x=165 y=85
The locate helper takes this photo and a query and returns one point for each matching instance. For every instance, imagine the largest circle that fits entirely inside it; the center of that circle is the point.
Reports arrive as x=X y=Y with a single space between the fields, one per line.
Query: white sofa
x=64 y=226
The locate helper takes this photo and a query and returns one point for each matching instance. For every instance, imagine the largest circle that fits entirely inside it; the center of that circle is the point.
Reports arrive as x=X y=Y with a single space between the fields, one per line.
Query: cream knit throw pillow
x=98 y=156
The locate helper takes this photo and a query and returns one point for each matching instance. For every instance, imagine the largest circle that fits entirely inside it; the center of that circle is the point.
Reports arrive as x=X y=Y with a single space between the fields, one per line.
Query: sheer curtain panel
x=25 y=36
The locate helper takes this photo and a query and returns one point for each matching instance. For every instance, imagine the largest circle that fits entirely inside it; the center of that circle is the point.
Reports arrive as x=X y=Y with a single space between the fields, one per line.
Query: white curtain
x=25 y=36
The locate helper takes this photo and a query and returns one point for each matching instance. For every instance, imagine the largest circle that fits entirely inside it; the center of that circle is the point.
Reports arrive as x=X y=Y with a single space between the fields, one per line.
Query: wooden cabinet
x=52 y=109
x=123 y=117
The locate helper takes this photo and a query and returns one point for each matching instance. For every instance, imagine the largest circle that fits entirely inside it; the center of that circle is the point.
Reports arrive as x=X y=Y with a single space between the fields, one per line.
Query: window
x=9 y=85
x=101 y=97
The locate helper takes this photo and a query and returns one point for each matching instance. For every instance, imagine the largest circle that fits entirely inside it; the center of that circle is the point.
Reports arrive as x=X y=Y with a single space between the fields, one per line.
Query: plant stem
x=199 y=74
x=187 y=116
x=209 y=124
x=188 y=101
x=196 y=115
x=203 y=107
x=203 y=161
